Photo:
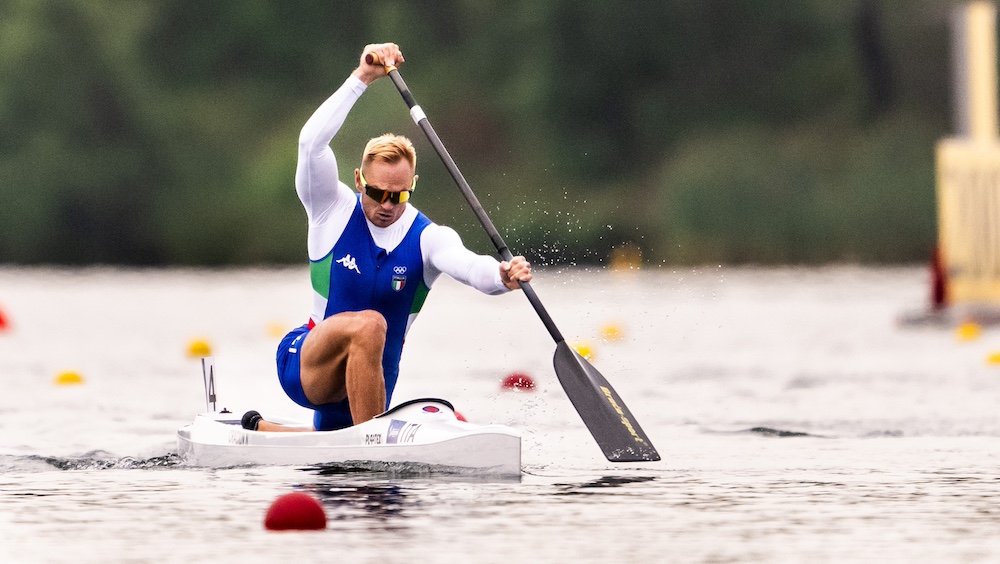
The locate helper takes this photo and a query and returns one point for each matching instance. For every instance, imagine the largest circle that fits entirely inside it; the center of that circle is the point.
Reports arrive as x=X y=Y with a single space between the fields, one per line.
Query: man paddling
x=373 y=259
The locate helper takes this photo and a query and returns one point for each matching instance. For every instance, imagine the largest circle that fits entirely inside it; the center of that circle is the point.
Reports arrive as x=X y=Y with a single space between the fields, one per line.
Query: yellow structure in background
x=626 y=258
x=975 y=63
x=968 y=166
x=968 y=196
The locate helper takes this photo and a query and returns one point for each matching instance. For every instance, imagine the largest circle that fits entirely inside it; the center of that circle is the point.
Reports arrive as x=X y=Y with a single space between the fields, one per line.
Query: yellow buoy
x=276 y=329
x=584 y=349
x=968 y=331
x=993 y=358
x=199 y=348
x=612 y=332
x=68 y=379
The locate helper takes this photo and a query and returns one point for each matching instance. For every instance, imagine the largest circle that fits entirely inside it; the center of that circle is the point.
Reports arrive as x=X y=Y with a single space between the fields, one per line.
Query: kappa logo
x=350 y=263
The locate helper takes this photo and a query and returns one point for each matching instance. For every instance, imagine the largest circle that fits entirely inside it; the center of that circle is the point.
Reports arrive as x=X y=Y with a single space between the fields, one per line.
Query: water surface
x=796 y=420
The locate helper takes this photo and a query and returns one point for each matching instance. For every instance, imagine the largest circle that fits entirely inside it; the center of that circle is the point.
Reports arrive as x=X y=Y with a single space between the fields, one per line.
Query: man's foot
x=251 y=420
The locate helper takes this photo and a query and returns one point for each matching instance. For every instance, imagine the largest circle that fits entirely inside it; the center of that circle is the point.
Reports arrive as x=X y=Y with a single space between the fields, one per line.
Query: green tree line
x=738 y=131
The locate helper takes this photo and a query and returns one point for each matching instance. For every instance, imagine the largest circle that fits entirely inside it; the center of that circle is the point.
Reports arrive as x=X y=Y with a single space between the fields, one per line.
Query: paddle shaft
x=599 y=405
x=421 y=120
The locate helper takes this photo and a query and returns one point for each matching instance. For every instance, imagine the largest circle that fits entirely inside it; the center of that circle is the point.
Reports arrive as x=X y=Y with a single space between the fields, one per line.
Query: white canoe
x=422 y=432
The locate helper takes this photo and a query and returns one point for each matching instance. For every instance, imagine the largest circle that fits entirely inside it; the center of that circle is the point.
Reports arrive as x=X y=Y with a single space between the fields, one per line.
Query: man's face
x=395 y=177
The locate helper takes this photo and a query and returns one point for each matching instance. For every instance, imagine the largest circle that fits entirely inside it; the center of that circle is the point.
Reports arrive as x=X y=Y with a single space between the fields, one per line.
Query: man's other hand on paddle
x=518 y=269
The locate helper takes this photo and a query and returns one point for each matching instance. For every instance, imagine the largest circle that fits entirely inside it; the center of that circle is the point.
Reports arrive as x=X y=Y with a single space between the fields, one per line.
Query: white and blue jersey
x=358 y=275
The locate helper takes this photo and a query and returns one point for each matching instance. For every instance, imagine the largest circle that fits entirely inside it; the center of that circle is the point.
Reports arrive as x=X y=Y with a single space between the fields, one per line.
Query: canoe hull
x=424 y=432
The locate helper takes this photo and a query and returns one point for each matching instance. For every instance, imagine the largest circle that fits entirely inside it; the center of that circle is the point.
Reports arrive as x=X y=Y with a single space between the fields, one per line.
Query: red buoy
x=518 y=381
x=4 y=324
x=939 y=281
x=295 y=511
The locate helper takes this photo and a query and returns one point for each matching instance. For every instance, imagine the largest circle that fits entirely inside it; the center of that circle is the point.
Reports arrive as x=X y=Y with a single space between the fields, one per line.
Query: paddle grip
x=372 y=59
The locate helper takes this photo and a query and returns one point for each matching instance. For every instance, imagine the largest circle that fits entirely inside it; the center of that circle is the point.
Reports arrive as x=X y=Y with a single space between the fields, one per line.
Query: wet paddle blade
x=602 y=410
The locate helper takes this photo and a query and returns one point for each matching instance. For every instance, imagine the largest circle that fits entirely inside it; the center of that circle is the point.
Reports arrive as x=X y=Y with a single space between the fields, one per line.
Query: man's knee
x=370 y=323
x=346 y=328
x=370 y=326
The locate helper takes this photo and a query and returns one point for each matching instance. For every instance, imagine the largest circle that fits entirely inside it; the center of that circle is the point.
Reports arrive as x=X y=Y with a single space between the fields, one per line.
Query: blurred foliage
x=738 y=131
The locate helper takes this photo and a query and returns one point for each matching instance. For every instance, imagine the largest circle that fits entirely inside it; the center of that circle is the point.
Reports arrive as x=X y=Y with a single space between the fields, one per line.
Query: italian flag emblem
x=398 y=282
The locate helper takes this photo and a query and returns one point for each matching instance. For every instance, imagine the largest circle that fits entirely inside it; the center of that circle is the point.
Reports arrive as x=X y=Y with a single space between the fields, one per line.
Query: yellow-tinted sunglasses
x=382 y=196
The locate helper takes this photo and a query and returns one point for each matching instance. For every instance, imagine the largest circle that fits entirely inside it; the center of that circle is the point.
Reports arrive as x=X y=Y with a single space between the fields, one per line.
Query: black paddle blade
x=602 y=410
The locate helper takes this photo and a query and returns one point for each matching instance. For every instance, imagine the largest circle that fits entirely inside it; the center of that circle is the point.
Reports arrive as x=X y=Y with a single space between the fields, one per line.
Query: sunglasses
x=382 y=196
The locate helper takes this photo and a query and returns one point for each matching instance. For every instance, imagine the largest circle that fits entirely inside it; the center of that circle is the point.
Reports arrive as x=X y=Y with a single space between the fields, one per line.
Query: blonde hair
x=389 y=148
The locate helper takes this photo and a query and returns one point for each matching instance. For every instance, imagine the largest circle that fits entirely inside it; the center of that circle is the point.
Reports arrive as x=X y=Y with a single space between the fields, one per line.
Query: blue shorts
x=328 y=416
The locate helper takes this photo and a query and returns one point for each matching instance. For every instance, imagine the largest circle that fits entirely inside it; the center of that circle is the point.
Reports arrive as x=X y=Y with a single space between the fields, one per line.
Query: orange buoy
x=518 y=381
x=295 y=511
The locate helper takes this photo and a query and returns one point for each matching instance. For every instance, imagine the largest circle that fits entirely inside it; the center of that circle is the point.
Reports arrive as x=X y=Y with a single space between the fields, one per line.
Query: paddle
x=602 y=410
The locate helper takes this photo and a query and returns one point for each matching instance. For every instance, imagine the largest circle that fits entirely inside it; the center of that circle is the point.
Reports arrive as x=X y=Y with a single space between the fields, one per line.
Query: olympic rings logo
x=399 y=269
